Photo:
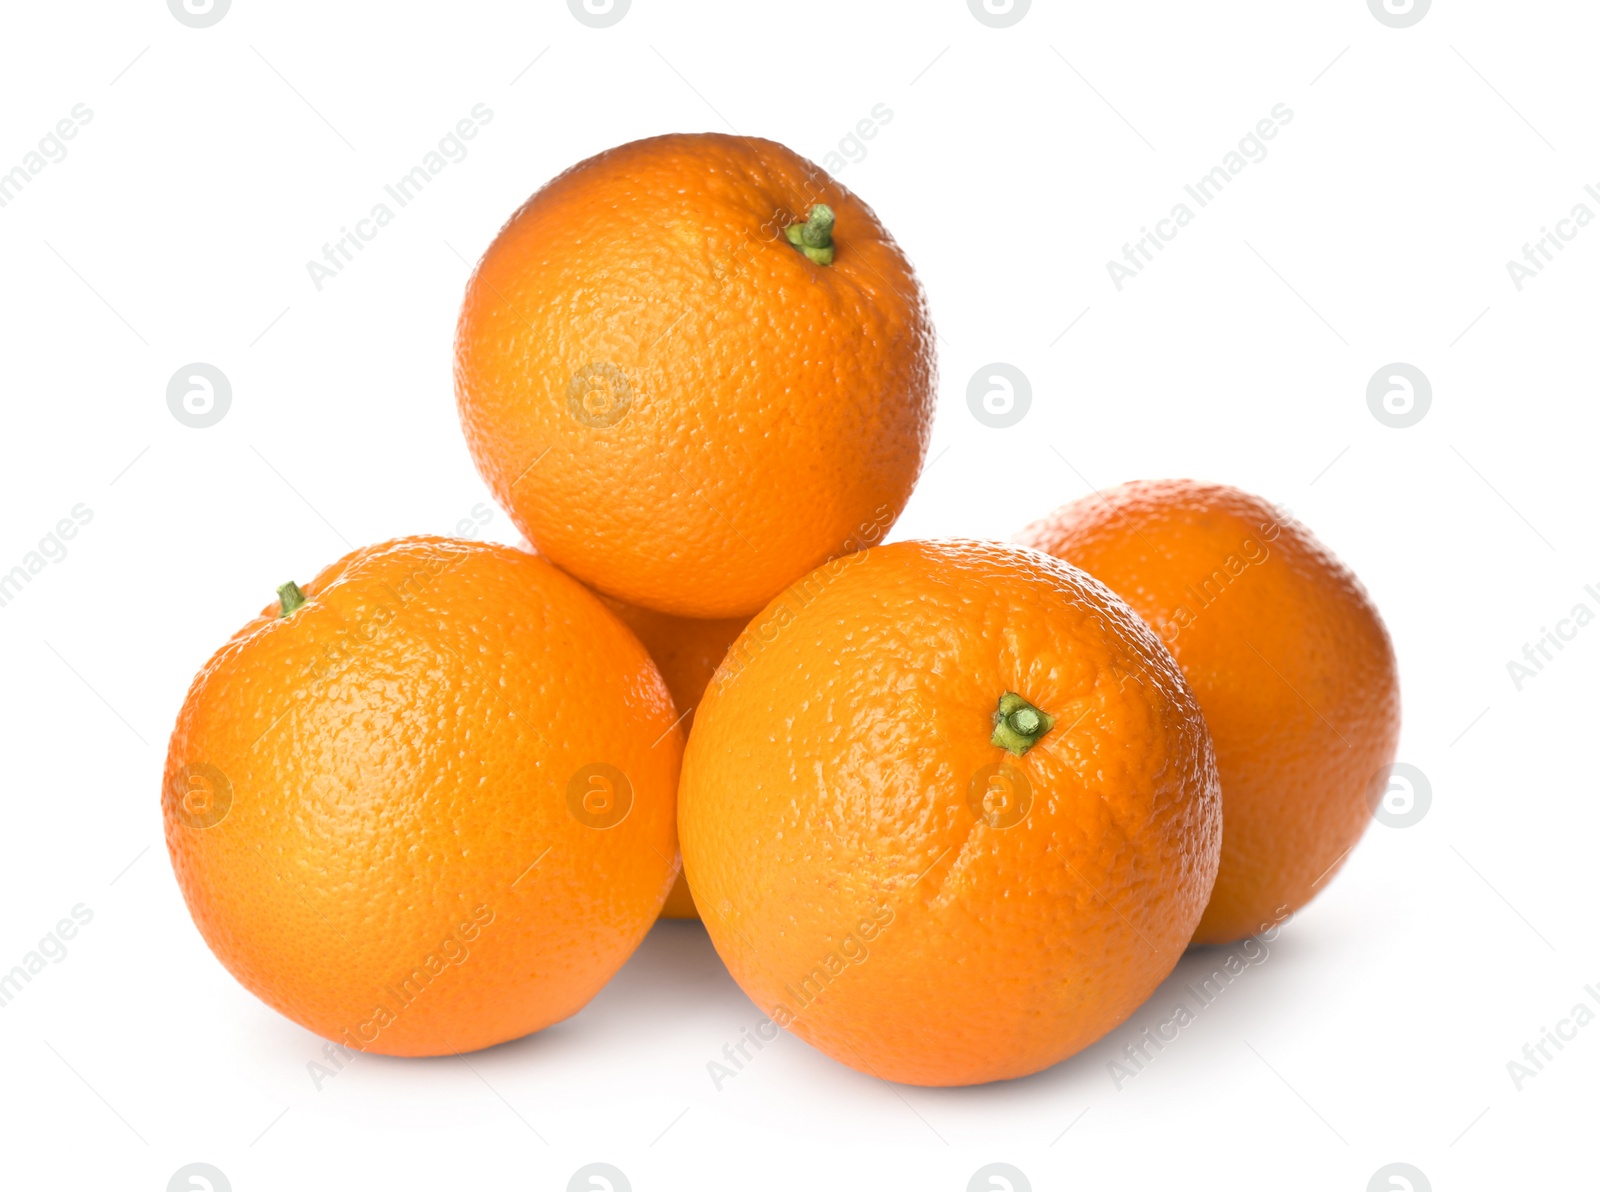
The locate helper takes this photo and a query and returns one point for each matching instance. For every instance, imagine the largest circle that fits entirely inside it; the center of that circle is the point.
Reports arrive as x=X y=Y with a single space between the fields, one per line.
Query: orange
x=949 y=811
x=1288 y=656
x=432 y=807
x=674 y=402
x=686 y=652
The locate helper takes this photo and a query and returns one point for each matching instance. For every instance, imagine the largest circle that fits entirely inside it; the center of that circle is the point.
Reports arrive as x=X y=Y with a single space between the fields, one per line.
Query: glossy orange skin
x=399 y=870
x=672 y=402
x=686 y=652
x=1288 y=656
x=832 y=833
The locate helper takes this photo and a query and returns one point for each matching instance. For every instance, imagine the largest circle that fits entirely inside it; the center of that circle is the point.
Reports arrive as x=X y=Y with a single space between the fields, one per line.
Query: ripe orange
x=686 y=652
x=949 y=810
x=431 y=808
x=677 y=404
x=1289 y=659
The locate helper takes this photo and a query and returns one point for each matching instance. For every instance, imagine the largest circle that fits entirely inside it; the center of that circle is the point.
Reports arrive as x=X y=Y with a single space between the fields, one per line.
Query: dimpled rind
x=857 y=885
x=671 y=401
x=1289 y=659
x=686 y=652
x=399 y=867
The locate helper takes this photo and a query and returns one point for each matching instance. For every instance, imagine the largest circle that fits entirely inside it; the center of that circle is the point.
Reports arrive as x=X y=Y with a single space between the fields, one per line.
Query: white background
x=1017 y=162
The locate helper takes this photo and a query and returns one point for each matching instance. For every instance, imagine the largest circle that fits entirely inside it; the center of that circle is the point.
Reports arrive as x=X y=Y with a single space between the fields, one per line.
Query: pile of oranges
x=949 y=810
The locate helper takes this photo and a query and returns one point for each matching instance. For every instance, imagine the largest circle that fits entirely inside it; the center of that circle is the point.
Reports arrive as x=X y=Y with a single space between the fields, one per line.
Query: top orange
x=694 y=367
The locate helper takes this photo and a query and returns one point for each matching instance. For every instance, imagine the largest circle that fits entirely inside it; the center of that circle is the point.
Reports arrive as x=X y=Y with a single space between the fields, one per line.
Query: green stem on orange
x=290 y=597
x=815 y=236
x=1018 y=725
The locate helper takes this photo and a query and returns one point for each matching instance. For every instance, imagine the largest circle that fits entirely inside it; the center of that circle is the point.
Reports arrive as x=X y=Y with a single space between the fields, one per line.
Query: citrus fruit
x=949 y=811
x=426 y=803
x=694 y=367
x=686 y=652
x=1289 y=659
